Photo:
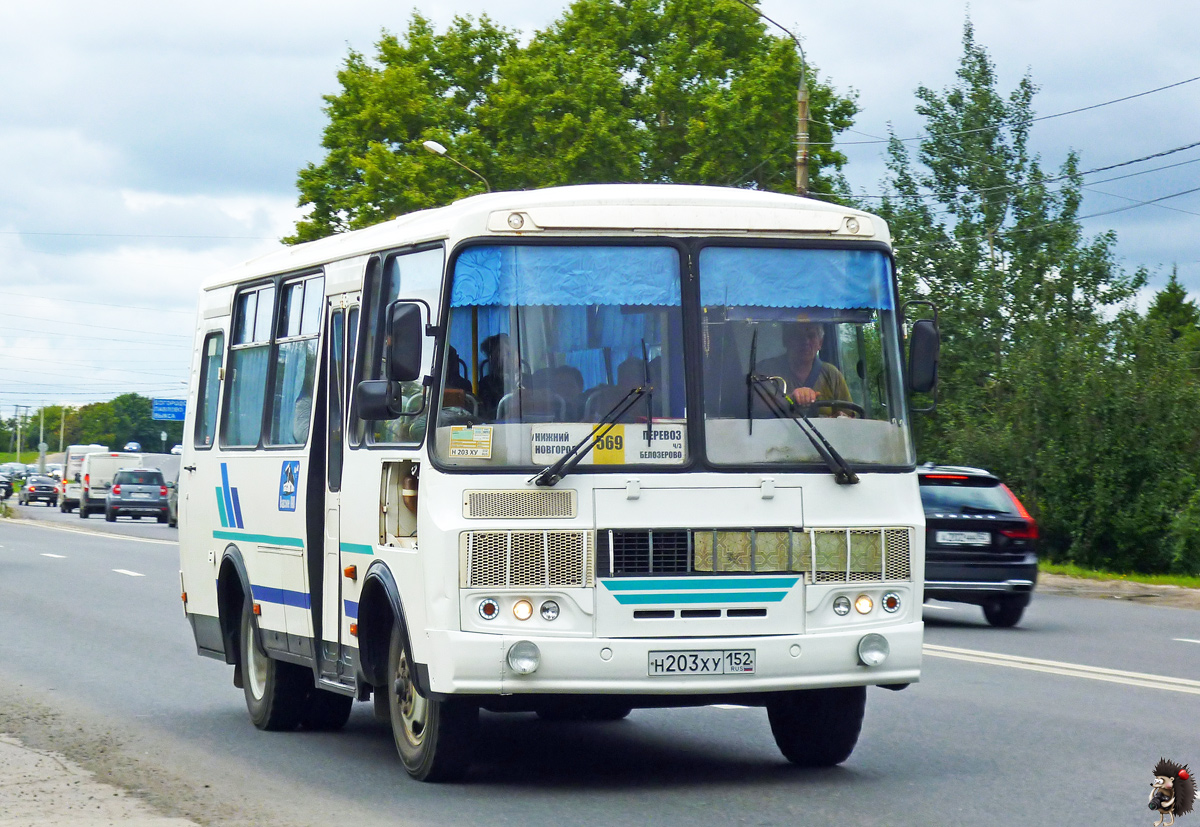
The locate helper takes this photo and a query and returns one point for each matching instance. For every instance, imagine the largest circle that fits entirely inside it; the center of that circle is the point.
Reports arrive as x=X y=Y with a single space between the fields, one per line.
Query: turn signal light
x=354 y=630
x=183 y=597
x=258 y=608
x=351 y=572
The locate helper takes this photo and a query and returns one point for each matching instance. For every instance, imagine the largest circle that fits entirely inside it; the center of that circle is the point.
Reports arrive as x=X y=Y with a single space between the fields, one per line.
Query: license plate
x=138 y=496
x=701 y=662
x=964 y=538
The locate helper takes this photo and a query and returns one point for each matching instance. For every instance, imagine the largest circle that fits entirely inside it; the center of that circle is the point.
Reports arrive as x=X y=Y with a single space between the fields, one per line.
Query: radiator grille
x=519 y=504
x=504 y=559
x=823 y=555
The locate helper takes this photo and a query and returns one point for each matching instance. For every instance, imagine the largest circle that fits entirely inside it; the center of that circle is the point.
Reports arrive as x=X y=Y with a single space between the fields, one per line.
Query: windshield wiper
x=842 y=474
x=552 y=474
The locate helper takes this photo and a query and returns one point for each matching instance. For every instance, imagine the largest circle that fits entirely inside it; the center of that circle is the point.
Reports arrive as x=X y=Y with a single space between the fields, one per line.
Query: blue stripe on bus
x=228 y=499
x=237 y=508
x=699 y=583
x=285 y=597
x=357 y=548
x=266 y=539
x=700 y=597
x=351 y=609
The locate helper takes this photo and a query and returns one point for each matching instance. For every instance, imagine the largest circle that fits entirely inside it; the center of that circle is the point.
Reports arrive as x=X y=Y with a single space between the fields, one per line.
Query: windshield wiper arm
x=842 y=474
x=552 y=474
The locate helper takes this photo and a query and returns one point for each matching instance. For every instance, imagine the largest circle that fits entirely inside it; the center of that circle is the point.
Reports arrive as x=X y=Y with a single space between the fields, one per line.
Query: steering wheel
x=837 y=405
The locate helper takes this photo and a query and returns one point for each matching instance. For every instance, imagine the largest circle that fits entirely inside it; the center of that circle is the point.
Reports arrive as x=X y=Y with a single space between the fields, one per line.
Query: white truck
x=97 y=472
x=72 y=478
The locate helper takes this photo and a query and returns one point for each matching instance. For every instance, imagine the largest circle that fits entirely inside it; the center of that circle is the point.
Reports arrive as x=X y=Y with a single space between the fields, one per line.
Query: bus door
x=342 y=325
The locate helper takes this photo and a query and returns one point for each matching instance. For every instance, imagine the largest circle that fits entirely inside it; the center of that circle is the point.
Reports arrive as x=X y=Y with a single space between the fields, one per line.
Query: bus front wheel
x=275 y=691
x=435 y=739
x=817 y=727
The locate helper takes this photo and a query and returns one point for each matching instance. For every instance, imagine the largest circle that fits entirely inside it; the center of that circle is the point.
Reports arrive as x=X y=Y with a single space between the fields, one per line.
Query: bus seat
x=531 y=405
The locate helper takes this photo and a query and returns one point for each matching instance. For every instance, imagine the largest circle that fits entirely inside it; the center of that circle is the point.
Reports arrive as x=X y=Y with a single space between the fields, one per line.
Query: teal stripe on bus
x=266 y=539
x=357 y=548
x=221 y=507
x=700 y=583
x=700 y=597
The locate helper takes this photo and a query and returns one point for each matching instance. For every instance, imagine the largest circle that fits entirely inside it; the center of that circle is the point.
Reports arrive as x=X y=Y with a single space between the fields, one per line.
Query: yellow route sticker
x=610 y=448
x=473 y=442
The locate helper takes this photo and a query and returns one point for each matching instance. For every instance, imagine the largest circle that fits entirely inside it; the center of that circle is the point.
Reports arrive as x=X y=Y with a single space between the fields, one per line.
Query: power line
x=97 y=304
x=75 y=324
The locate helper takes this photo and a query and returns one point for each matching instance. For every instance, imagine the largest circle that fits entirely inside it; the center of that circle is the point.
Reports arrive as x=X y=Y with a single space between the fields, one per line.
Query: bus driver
x=808 y=378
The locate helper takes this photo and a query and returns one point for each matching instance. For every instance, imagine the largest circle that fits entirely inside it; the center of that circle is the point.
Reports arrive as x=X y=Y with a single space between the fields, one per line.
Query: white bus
x=625 y=501
x=72 y=478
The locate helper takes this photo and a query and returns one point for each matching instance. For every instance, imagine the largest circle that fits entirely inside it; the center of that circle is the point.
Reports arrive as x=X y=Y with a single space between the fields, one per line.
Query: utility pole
x=42 y=441
x=801 y=106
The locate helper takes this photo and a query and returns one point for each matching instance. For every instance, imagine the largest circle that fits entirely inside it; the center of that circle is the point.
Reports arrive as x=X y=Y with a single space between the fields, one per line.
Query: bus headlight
x=863 y=604
x=549 y=610
x=522 y=610
x=489 y=609
x=524 y=657
x=873 y=650
x=841 y=605
x=891 y=602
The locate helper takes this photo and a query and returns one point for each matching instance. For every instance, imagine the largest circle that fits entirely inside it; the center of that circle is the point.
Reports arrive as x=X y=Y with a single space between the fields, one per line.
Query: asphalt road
x=96 y=661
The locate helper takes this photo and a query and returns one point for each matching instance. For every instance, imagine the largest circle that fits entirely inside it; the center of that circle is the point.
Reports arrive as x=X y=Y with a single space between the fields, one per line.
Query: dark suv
x=980 y=542
x=137 y=492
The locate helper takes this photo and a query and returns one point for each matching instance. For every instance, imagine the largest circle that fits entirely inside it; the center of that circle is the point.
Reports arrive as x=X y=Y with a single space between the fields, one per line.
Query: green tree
x=1049 y=377
x=615 y=90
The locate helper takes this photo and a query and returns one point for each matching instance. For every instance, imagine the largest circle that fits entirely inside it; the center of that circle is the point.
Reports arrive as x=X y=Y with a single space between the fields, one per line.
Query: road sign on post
x=171 y=410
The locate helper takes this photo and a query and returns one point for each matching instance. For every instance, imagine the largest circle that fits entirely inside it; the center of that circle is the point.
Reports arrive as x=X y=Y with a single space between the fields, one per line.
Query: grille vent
x=519 y=504
x=825 y=555
x=504 y=559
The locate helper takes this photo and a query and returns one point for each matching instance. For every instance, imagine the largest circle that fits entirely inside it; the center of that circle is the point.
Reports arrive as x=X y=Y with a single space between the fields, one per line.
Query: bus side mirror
x=924 y=348
x=377 y=400
x=406 y=331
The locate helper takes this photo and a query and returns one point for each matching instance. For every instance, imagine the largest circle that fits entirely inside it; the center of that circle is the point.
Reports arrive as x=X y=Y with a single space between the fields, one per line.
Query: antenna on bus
x=438 y=149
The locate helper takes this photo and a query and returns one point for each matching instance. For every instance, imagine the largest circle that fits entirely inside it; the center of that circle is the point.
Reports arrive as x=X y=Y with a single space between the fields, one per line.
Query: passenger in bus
x=497 y=374
x=808 y=378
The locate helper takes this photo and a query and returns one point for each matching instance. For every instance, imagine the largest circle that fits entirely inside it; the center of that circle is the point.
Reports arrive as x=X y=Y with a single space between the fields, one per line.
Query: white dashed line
x=59 y=556
x=128 y=572
x=1184 y=640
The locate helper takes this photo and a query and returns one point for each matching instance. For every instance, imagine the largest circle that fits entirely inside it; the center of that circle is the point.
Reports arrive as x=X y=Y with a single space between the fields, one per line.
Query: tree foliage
x=1049 y=377
x=126 y=418
x=687 y=91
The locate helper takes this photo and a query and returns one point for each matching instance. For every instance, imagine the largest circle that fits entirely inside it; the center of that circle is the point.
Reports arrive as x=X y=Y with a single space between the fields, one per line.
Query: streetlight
x=438 y=149
x=801 y=106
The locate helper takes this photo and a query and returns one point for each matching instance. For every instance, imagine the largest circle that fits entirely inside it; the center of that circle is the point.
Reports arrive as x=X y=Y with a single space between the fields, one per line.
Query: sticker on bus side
x=625 y=444
x=474 y=442
x=289 y=483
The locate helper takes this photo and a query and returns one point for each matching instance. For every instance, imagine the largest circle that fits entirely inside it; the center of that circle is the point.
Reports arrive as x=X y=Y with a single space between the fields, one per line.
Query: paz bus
x=548 y=451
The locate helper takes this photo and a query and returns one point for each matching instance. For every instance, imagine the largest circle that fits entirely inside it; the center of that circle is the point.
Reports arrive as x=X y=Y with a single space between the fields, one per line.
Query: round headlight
x=891 y=602
x=522 y=610
x=524 y=657
x=873 y=650
x=841 y=605
x=489 y=609
x=864 y=604
x=549 y=610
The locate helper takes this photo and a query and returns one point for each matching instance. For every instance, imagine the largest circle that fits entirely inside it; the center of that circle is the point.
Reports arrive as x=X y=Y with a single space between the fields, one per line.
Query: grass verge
x=1072 y=570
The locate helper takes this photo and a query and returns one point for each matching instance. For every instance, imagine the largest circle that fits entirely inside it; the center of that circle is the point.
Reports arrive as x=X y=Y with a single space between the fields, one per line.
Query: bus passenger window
x=296 y=361
x=210 y=371
x=249 y=358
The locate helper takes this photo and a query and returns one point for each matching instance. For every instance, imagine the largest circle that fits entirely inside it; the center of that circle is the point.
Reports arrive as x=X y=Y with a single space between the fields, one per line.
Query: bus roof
x=586 y=209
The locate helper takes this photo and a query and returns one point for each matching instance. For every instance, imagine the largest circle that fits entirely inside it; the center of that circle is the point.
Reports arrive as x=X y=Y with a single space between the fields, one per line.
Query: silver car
x=137 y=492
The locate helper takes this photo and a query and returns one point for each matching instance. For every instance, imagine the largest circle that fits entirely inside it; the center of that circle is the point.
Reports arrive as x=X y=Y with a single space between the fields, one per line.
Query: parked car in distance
x=5 y=486
x=980 y=542
x=132 y=446
x=177 y=448
x=137 y=492
x=39 y=488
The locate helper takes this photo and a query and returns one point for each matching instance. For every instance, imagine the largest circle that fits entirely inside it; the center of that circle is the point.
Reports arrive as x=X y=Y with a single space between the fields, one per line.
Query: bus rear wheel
x=275 y=691
x=435 y=739
x=817 y=727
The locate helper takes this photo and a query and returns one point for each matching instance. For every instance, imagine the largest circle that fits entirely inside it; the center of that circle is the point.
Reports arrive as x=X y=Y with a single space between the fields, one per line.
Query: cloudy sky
x=145 y=145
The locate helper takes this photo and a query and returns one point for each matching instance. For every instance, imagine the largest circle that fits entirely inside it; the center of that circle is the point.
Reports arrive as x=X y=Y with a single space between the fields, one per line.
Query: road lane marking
x=128 y=572
x=1071 y=670
x=1184 y=640
x=59 y=556
x=109 y=534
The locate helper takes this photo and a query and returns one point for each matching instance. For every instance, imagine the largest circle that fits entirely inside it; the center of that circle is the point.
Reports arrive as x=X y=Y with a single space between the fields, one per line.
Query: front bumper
x=475 y=664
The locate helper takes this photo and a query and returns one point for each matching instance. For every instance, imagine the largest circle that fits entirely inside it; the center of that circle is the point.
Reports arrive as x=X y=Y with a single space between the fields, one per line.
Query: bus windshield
x=789 y=332
x=545 y=340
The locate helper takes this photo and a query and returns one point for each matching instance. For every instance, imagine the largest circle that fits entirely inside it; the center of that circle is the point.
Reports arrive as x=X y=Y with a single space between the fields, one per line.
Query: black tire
x=83 y=509
x=325 y=711
x=162 y=518
x=817 y=727
x=583 y=709
x=435 y=739
x=110 y=515
x=275 y=691
x=1003 y=614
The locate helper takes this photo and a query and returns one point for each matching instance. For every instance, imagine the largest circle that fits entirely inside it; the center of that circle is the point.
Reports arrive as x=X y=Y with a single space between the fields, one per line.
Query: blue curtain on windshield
x=772 y=277
x=511 y=275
